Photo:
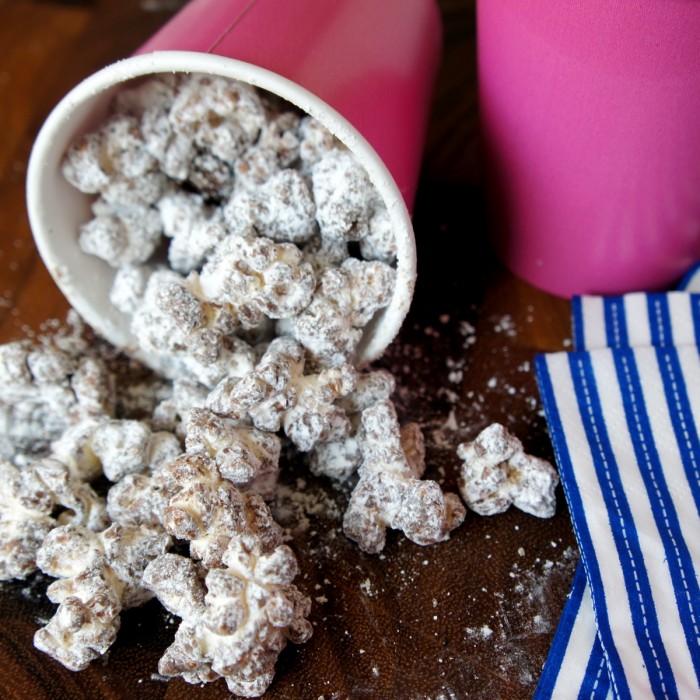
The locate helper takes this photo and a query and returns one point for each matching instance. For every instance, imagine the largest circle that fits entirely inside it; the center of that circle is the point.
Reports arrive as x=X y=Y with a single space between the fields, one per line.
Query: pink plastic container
x=590 y=127
x=364 y=68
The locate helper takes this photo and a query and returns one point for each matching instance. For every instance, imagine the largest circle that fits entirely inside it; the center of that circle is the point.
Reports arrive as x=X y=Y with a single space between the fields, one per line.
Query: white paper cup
x=56 y=209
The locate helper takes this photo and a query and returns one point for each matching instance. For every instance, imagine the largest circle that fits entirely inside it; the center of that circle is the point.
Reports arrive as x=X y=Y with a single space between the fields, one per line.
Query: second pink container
x=590 y=125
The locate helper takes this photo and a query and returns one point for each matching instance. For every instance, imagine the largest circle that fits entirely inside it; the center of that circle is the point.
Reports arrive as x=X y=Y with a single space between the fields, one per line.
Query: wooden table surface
x=472 y=617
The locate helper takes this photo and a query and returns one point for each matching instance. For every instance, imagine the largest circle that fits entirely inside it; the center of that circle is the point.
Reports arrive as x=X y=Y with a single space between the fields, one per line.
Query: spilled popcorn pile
x=251 y=251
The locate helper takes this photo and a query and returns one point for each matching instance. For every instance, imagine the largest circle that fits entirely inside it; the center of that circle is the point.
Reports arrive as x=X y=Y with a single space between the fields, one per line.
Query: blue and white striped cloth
x=691 y=279
x=623 y=411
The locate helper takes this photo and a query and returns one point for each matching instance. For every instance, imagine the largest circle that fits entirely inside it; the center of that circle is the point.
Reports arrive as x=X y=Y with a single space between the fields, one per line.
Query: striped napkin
x=623 y=411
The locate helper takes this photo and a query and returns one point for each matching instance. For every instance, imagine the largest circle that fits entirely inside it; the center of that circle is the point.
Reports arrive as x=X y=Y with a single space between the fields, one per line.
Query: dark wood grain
x=473 y=617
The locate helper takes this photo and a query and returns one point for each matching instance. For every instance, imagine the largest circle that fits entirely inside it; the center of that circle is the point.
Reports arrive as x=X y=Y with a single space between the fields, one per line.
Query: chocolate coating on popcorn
x=278 y=394
x=497 y=473
x=99 y=575
x=44 y=389
x=390 y=492
x=236 y=620
x=347 y=297
x=35 y=500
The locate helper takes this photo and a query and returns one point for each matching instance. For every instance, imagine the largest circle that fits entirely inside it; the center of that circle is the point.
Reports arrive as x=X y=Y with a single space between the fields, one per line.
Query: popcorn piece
x=339 y=459
x=496 y=472
x=379 y=243
x=174 y=151
x=277 y=148
x=219 y=115
x=22 y=529
x=322 y=253
x=129 y=287
x=170 y=413
x=346 y=299
x=278 y=394
x=124 y=192
x=129 y=548
x=266 y=392
x=316 y=141
x=187 y=253
x=75 y=635
x=74 y=449
x=211 y=176
x=125 y=236
x=113 y=447
x=154 y=92
x=249 y=611
x=270 y=278
x=122 y=147
x=47 y=387
x=150 y=101
x=176 y=582
x=194 y=336
x=82 y=166
x=243 y=455
x=390 y=492
x=280 y=135
x=343 y=194
x=99 y=575
x=27 y=511
x=252 y=169
x=93 y=387
x=179 y=211
x=73 y=501
x=194 y=228
x=209 y=511
x=280 y=208
x=315 y=417
x=129 y=446
x=140 y=498
x=370 y=387
x=121 y=447
x=116 y=148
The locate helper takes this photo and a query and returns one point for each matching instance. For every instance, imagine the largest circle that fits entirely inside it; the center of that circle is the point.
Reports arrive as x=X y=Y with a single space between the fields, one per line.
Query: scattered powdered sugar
x=500 y=637
x=367 y=588
x=505 y=324
x=298 y=506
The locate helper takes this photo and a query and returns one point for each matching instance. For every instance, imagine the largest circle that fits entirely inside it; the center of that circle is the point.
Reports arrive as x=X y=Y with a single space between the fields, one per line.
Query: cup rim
x=56 y=133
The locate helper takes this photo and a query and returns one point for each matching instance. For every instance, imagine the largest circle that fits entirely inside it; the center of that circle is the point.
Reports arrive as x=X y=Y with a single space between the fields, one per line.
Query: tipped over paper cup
x=363 y=69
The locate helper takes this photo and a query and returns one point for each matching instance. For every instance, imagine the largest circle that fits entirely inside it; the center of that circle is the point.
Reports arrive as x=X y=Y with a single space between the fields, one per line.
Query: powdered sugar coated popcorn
x=99 y=575
x=33 y=502
x=497 y=473
x=390 y=492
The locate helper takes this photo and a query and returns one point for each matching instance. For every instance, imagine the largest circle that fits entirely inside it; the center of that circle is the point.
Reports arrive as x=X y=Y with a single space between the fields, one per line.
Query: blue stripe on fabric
x=695 y=311
x=596 y=682
x=578 y=518
x=659 y=319
x=644 y=617
x=682 y=418
x=678 y=557
x=560 y=643
x=577 y=323
x=687 y=279
x=615 y=322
